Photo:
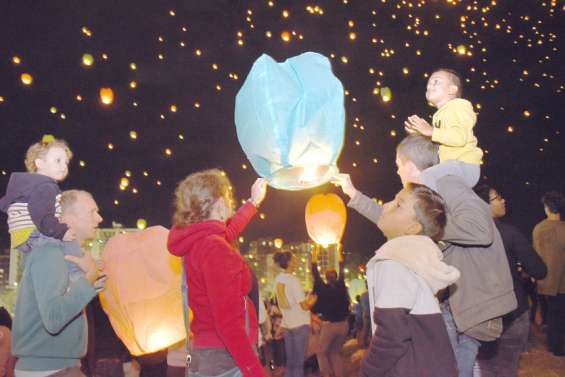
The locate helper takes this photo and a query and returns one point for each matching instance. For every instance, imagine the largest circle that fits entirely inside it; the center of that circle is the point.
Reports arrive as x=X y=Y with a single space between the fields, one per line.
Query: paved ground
x=537 y=362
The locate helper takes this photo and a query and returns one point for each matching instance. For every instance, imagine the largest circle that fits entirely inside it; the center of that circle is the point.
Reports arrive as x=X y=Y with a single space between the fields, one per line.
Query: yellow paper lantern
x=386 y=94
x=144 y=300
x=26 y=78
x=141 y=224
x=106 y=96
x=325 y=218
x=87 y=60
x=286 y=36
x=461 y=50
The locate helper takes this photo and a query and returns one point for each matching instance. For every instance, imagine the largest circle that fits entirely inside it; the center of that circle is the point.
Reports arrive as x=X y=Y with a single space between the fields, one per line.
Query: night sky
x=173 y=108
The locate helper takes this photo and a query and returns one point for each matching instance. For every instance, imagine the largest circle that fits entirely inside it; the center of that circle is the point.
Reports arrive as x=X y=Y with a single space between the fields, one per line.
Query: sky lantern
x=290 y=120
x=87 y=60
x=386 y=94
x=286 y=36
x=141 y=224
x=461 y=50
x=143 y=297
x=26 y=78
x=326 y=216
x=106 y=96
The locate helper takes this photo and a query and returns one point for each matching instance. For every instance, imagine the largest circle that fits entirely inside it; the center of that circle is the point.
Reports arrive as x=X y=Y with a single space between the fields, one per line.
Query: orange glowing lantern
x=26 y=78
x=143 y=297
x=106 y=96
x=325 y=218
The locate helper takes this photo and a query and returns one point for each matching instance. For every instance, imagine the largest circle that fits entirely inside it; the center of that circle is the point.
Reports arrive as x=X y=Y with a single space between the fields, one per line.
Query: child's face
x=398 y=217
x=54 y=164
x=440 y=88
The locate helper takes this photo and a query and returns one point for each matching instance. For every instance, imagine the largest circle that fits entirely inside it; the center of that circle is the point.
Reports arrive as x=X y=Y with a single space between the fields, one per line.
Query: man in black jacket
x=501 y=358
x=333 y=308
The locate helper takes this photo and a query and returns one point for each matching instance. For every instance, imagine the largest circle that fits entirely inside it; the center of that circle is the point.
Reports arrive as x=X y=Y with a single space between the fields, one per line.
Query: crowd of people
x=446 y=293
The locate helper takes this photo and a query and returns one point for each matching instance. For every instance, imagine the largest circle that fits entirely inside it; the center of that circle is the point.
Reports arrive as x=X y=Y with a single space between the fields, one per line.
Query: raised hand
x=344 y=181
x=416 y=124
x=258 y=191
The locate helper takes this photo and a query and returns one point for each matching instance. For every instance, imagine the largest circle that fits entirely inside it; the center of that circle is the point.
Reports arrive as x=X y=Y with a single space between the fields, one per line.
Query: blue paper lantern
x=290 y=120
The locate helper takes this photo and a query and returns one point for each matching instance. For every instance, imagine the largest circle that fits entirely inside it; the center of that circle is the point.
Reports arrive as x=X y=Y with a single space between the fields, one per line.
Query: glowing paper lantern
x=461 y=49
x=386 y=94
x=141 y=224
x=26 y=78
x=143 y=297
x=106 y=96
x=87 y=60
x=325 y=218
x=290 y=120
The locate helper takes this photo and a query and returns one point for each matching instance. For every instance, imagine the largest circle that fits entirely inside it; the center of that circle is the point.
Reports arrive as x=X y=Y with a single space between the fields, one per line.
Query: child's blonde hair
x=40 y=149
x=196 y=194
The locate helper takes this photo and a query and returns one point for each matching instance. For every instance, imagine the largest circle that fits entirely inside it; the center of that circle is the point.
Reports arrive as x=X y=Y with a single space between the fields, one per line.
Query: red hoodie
x=218 y=282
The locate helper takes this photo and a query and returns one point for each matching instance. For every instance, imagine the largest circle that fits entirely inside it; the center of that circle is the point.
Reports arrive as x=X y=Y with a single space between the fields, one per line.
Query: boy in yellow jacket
x=451 y=128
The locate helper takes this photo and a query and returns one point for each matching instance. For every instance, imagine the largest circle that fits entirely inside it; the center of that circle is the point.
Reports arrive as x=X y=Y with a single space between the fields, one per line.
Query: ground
x=537 y=362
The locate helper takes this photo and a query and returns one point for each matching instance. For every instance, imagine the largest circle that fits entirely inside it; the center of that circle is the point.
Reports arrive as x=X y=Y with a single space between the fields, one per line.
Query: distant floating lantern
x=53 y=110
x=144 y=300
x=286 y=36
x=124 y=182
x=278 y=243
x=26 y=78
x=87 y=60
x=16 y=60
x=461 y=50
x=325 y=218
x=386 y=94
x=133 y=135
x=106 y=96
x=141 y=224
x=290 y=120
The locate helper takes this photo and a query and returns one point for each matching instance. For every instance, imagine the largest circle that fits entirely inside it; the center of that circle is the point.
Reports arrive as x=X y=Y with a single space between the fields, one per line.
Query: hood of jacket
x=20 y=187
x=183 y=240
x=422 y=256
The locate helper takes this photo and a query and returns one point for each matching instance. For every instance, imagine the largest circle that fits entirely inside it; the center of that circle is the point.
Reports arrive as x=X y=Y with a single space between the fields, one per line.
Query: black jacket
x=519 y=251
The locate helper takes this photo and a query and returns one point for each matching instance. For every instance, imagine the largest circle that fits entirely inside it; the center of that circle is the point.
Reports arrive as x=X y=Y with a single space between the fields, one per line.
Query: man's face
x=54 y=164
x=407 y=171
x=497 y=204
x=83 y=217
x=398 y=217
x=440 y=89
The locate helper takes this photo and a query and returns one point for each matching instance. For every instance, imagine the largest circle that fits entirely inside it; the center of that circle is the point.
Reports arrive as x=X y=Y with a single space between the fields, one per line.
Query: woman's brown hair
x=196 y=194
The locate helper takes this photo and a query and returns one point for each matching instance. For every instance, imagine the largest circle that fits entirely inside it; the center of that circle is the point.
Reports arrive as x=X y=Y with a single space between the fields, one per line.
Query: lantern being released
x=143 y=297
x=325 y=218
x=290 y=120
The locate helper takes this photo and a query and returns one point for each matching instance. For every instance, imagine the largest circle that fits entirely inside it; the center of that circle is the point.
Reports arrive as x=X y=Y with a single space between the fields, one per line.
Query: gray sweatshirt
x=473 y=245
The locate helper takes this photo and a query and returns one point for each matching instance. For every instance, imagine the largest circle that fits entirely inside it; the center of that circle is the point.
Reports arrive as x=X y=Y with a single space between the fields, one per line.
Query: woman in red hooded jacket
x=218 y=278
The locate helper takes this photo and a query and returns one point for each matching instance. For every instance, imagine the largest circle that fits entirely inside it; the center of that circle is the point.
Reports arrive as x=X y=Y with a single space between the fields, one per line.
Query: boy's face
x=440 y=88
x=398 y=217
x=54 y=164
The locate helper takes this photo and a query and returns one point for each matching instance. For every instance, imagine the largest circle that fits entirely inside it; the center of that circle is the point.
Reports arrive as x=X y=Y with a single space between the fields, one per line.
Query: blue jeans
x=504 y=355
x=295 y=343
x=464 y=347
